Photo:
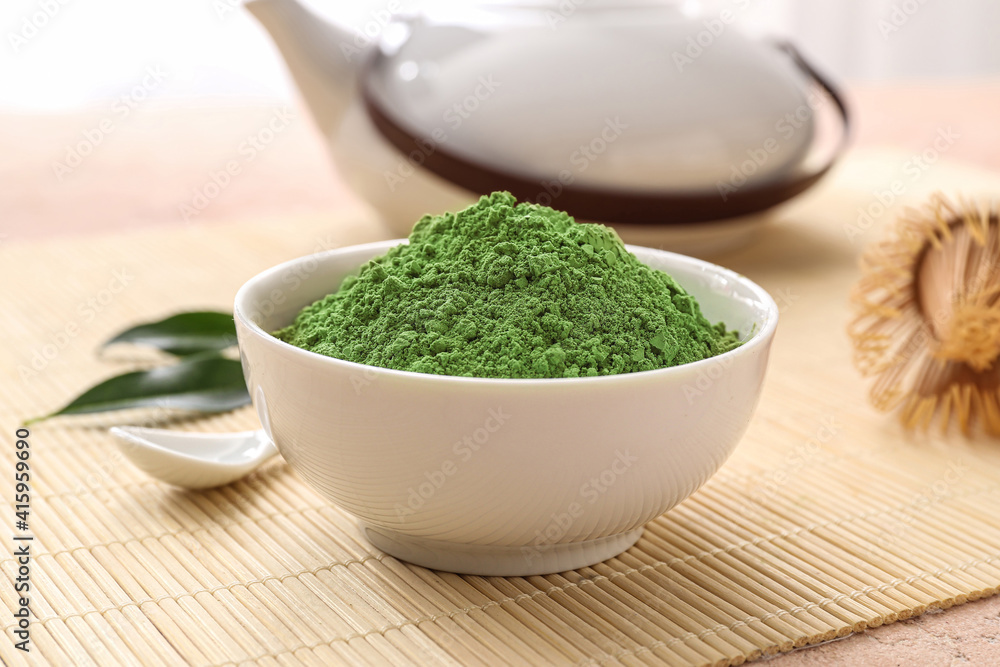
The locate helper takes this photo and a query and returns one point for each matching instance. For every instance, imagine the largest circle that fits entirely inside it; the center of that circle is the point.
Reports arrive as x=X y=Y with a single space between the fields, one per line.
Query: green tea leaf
x=183 y=334
x=208 y=383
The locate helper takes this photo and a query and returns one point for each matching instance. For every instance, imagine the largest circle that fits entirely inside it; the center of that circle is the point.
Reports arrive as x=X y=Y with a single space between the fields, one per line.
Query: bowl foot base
x=499 y=561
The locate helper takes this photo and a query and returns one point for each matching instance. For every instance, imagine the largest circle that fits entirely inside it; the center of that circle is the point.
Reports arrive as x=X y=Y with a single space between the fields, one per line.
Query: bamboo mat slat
x=828 y=519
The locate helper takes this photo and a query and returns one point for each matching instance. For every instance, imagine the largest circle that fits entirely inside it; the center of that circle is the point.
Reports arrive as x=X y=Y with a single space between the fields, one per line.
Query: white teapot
x=674 y=128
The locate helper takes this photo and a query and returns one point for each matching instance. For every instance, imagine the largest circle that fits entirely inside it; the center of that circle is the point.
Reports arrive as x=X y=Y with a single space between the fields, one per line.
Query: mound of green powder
x=508 y=290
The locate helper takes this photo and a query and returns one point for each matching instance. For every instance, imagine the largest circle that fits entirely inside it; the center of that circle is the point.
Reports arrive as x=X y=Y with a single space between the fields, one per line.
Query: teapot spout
x=321 y=55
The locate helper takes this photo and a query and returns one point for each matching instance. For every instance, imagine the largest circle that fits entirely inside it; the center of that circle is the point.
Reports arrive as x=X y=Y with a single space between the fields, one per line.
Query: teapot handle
x=831 y=90
x=609 y=205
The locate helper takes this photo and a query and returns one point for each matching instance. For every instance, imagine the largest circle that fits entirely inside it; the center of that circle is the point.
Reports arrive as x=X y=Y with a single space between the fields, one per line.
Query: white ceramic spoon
x=194 y=460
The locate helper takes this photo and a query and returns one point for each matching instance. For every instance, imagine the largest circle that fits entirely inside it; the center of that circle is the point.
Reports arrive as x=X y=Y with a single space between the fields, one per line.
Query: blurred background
x=185 y=81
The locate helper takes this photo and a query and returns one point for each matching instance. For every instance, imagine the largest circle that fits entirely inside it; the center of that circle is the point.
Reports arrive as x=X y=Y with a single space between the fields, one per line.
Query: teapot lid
x=600 y=113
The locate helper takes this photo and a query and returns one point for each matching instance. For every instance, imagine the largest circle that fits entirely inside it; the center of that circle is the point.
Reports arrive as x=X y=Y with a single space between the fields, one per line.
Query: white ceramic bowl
x=492 y=476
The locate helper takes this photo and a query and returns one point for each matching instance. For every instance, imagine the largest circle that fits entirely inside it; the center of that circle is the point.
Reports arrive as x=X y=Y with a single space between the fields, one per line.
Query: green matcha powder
x=508 y=290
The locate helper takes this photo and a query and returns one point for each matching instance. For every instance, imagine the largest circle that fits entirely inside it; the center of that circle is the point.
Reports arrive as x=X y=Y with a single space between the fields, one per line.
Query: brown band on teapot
x=612 y=205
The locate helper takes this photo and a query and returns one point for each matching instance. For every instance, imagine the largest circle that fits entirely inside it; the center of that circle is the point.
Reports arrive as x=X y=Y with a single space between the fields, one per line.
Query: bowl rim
x=761 y=337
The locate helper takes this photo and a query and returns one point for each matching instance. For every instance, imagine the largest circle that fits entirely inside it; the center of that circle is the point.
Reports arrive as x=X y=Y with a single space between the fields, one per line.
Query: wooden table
x=97 y=172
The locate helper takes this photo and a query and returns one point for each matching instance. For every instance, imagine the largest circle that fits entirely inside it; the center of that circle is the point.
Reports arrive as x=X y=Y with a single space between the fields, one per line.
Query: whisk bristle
x=972 y=337
x=927 y=317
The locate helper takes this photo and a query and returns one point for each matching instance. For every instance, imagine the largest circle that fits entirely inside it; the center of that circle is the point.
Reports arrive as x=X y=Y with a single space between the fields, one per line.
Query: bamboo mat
x=828 y=519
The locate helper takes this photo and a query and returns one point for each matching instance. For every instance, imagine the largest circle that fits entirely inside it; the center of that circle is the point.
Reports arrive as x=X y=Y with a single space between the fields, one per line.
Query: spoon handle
x=194 y=460
x=268 y=448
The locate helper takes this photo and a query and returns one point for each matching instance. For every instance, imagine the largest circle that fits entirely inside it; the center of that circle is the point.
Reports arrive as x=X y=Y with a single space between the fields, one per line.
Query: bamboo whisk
x=927 y=323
